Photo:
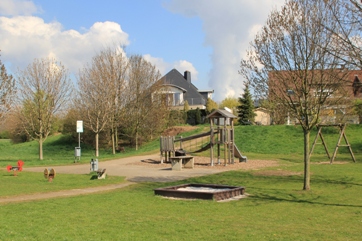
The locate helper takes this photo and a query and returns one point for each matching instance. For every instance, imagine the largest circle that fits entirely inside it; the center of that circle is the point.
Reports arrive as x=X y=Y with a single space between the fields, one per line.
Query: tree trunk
x=136 y=135
x=116 y=136
x=306 y=160
x=97 y=137
x=113 y=141
x=40 y=148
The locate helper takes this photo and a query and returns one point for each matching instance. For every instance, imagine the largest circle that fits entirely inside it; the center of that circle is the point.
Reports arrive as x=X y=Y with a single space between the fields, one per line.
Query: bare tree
x=348 y=36
x=101 y=89
x=44 y=88
x=289 y=63
x=7 y=90
x=143 y=103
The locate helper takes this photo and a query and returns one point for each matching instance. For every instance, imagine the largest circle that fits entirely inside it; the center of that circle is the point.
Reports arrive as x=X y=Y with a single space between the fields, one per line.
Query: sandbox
x=201 y=191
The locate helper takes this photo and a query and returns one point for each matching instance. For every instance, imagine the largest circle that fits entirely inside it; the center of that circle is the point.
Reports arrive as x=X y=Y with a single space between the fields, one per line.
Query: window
x=177 y=99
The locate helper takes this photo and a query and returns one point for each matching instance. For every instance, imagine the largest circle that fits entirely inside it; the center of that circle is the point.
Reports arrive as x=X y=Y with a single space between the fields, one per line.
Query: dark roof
x=192 y=95
x=221 y=113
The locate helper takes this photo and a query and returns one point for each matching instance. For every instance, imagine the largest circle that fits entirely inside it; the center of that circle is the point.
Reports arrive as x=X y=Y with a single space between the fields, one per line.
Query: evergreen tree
x=246 y=108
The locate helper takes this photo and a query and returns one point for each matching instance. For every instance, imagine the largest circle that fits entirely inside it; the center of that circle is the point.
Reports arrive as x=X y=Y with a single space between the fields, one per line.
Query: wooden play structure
x=16 y=169
x=342 y=134
x=221 y=134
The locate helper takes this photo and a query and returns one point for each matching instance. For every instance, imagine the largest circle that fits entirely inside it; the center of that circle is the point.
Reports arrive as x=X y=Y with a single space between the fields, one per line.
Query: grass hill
x=257 y=142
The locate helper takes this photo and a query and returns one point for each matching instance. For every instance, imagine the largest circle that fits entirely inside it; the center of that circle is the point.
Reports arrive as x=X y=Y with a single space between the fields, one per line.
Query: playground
x=218 y=140
x=276 y=208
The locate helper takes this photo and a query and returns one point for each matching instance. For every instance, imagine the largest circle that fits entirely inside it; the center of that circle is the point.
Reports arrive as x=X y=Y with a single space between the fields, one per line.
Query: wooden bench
x=101 y=173
x=178 y=162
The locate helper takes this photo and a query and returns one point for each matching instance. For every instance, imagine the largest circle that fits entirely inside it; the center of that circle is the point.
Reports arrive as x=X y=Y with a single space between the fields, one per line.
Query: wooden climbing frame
x=342 y=134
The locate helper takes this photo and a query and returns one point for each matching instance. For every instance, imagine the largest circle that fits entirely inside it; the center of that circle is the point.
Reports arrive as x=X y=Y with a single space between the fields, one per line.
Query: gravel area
x=204 y=163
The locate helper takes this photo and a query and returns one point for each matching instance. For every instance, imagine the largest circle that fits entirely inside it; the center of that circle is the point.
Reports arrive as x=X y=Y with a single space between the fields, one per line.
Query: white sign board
x=79 y=126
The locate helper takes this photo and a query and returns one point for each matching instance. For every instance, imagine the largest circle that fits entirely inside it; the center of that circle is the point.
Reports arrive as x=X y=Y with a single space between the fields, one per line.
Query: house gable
x=175 y=80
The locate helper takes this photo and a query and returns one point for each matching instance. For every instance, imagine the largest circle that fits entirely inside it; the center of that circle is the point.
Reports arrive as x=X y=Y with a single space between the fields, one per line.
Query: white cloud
x=18 y=7
x=181 y=66
x=24 y=38
x=229 y=26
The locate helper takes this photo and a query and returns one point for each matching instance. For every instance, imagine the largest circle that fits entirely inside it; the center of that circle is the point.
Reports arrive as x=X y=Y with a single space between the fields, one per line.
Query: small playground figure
x=49 y=174
x=17 y=168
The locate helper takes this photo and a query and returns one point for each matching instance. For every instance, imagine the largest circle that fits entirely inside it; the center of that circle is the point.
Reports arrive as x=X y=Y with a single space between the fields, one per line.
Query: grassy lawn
x=32 y=182
x=276 y=208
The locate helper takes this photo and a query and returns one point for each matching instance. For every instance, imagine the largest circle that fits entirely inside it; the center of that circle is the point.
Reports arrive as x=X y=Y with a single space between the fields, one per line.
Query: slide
x=202 y=149
x=237 y=154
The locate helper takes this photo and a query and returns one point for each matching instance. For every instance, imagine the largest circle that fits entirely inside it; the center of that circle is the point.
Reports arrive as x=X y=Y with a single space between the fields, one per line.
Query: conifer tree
x=246 y=108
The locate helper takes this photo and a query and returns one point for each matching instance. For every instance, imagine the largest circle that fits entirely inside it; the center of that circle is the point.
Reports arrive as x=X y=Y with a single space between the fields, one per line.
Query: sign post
x=77 y=149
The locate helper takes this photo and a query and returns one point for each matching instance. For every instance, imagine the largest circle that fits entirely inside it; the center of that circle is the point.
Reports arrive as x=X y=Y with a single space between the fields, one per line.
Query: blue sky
x=206 y=37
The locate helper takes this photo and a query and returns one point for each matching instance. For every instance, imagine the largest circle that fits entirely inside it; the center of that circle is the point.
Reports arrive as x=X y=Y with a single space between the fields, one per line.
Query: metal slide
x=237 y=154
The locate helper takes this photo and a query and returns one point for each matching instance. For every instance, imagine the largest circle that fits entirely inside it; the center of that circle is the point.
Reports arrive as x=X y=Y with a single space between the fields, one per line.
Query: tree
x=211 y=105
x=289 y=62
x=44 y=89
x=246 y=108
x=230 y=102
x=7 y=90
x=357 y=107
x=198 y=116
x=186 y=106
x=185 y=110
x=347 y=37
x=143 y=102
x=101 y=92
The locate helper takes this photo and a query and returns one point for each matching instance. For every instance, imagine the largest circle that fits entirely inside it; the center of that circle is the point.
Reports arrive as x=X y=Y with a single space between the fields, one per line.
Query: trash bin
x=94 y=165
x=180 y=152
x=77 y=152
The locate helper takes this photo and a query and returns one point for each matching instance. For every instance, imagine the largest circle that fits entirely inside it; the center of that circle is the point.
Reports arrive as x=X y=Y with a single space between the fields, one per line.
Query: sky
x=206 y=37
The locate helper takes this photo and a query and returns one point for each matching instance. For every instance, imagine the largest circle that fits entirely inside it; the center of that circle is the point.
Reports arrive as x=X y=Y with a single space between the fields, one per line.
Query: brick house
x=348 y=91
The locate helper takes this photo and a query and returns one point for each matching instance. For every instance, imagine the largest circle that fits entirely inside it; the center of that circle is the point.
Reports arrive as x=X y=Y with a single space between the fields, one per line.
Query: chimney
x=187 y=76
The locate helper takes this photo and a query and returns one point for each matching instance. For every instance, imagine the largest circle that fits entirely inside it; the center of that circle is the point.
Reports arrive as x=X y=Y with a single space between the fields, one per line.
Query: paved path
x=63 y=193
x=134 y=173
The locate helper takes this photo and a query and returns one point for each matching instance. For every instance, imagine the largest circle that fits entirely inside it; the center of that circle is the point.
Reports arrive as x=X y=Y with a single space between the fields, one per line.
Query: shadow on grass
x=280 y=199
x=94 y=177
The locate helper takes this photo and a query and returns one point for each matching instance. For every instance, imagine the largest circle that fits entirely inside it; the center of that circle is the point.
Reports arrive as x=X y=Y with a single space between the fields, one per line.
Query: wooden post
x=211 y=142
x=225 y=138
x=342 y=134
x=232 y=141
x=319 y=133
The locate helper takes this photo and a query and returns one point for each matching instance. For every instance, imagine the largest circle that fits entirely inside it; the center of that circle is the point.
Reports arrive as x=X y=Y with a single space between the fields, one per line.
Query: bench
x=101 y=173
x=178 y=162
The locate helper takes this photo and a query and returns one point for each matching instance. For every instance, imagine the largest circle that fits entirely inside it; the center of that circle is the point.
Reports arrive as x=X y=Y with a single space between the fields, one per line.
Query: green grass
x=32 y=182
x=59 y=150
x=286 y=142
x=276 y=209
x=266 y=142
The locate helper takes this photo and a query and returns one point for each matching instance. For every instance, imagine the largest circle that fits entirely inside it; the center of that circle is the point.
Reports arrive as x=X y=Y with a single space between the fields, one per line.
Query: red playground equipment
x=17 y=168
